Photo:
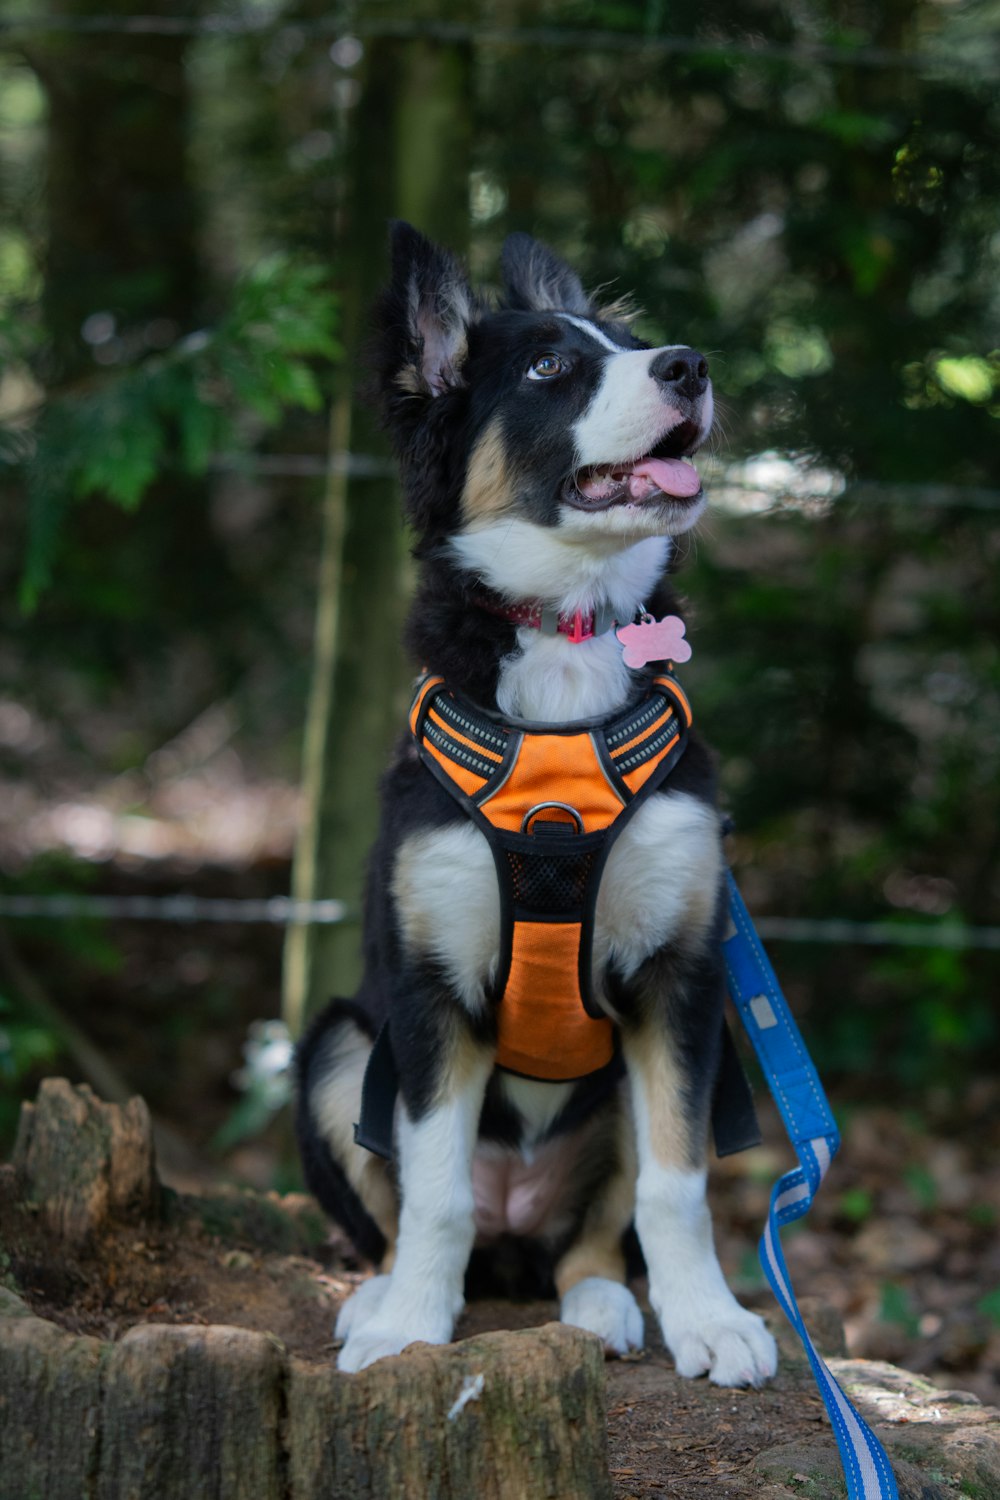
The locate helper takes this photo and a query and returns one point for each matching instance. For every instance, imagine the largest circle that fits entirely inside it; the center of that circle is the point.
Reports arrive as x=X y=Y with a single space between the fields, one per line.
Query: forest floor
x=209 y=1264
x=903 y=1242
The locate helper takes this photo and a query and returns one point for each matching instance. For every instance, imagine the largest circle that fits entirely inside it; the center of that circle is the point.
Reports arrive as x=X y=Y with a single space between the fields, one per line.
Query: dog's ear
x=424 y=317
x=536 y=280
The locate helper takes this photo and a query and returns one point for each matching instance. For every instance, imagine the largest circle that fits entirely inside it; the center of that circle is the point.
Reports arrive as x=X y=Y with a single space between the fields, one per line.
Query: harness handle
x=541 y=806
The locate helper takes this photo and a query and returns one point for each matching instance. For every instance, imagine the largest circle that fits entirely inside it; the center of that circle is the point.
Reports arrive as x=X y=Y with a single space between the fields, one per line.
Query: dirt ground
x=903 y=1240
x=226 y=1260
x=182 y=1272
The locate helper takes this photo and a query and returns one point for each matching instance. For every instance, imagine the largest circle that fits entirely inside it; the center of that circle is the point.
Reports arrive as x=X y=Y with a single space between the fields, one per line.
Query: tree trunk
x=408 y=158
x=121 y=211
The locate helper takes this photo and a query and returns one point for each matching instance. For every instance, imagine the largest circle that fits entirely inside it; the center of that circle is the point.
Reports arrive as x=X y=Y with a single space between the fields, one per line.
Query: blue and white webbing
x=799 y=1096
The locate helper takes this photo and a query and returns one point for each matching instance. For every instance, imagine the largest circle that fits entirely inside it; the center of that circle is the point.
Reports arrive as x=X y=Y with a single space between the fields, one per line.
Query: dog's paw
x=606 y=1308
x=377 y=1339
x=361 y=1306
x=723 y=1340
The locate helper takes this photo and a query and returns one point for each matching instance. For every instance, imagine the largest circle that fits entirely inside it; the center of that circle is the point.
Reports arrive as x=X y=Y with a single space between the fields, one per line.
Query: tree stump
x=50 y=1406
x=83 y=1162
x=152 y=1410
x=505 y=1416
x=176 y=1411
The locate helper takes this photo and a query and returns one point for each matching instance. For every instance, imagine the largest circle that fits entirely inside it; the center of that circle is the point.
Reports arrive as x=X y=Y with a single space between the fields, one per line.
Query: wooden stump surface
x=179 y=1410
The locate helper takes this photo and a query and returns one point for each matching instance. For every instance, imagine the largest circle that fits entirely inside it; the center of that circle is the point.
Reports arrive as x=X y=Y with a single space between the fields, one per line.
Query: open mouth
x=662 y=473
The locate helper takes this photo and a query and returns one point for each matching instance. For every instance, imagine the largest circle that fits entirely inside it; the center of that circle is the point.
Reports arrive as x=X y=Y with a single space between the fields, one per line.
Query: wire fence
x=924 y=59
x=865 y=491
x=726 y=479
x=932 y=59
x=283 y=911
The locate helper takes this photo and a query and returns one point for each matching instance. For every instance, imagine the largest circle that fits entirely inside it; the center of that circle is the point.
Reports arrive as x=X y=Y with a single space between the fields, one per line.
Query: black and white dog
x=542 y=449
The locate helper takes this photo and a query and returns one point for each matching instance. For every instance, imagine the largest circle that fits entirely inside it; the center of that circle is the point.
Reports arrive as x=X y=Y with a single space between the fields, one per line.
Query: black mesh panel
x=551 y=882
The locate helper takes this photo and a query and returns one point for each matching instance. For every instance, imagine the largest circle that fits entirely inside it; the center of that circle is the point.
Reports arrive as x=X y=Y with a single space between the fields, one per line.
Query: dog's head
x=544 y=416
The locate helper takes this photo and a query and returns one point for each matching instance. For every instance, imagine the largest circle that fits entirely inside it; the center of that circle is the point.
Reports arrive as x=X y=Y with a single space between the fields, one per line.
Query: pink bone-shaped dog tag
x=654 y=640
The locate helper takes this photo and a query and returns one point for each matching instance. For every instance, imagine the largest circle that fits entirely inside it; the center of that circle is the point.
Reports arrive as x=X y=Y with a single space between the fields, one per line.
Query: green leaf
x=174 y=409
x=856 y=1204
x=896 y=1307
x=199 y=425
x=990 y=1305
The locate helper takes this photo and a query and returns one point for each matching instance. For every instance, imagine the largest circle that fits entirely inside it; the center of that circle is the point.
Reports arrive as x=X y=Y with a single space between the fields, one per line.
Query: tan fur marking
x=411 y=381
x=488 y=484
x=658 y=1081
x=622 y=310
x=598 y=1250
x=467 y=1061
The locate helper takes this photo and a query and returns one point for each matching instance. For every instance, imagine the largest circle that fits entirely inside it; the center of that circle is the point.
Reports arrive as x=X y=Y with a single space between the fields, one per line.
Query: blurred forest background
x=203 y=573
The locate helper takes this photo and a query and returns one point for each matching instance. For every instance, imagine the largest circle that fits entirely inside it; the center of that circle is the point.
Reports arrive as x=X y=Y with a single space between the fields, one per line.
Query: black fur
x=450 y=371
x=324 y=1176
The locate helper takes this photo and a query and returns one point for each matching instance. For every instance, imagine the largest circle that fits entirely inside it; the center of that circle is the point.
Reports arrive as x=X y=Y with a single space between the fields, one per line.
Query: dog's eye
x=545 y=366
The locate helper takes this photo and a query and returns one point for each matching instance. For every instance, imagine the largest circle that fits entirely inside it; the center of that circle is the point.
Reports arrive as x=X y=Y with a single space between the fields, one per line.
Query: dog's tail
x=354 y=1187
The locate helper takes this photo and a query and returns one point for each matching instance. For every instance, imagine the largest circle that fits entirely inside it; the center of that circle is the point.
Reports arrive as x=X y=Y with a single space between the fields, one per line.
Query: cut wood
x=177 y=1410
x=82 y=1162
x=505 y=1416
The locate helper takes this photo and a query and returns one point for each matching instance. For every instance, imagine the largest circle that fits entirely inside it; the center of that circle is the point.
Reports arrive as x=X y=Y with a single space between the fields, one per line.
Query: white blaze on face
x=599 y=335
x=628 y=413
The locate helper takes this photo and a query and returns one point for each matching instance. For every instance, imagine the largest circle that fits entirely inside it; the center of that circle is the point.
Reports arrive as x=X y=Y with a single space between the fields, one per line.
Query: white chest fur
x=659 y=886
x=551 y=680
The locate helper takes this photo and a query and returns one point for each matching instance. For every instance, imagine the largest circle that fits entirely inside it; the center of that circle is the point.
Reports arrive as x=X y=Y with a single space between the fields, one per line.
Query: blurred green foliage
x=810 y=194
x=856 y=1204
x=990 y=1305
x=177 y=409
x=25 y=1049
x=897 y=1307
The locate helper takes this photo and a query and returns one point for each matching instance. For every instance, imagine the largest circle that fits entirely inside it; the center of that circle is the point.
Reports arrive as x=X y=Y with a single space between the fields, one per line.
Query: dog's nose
x=683 y=372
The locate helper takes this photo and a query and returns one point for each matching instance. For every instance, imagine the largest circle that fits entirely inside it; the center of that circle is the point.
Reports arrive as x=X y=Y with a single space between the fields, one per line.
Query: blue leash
x=799 y=1096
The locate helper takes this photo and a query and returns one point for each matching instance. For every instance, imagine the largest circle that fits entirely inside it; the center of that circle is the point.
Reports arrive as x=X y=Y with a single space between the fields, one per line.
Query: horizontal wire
x=842 y=932
x=464 y=33
x=278 y=911
x=284 y=911
x=369 y=466
x=372 y=466
x=311 y=465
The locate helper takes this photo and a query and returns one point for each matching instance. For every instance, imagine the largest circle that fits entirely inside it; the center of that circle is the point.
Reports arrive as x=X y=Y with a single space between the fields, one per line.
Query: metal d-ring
x=541 y=806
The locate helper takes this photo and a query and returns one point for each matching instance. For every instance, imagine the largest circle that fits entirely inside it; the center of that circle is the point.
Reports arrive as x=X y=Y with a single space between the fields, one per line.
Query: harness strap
x=812 y=1131
x=378 y=1097
x=734 y=1118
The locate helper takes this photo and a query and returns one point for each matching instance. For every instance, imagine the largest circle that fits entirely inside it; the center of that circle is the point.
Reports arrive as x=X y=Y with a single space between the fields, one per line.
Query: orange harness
x=551 y=799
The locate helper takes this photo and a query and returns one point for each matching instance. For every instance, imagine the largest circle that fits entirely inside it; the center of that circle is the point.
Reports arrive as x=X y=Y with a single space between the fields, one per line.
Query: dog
x=544 y=461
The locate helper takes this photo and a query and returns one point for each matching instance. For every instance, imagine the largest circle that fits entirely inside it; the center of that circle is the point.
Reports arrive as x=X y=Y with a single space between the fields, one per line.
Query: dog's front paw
x=378 y=1338
x=361 y=1306
x=722 y=1339
x=606 y=1308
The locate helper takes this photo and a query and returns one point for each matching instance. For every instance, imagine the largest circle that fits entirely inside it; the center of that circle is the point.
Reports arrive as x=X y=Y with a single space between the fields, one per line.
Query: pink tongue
x=669 y=475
